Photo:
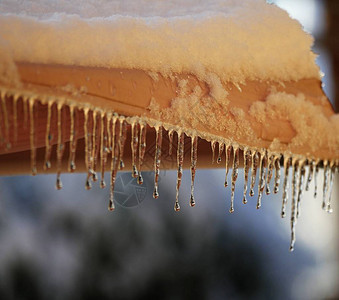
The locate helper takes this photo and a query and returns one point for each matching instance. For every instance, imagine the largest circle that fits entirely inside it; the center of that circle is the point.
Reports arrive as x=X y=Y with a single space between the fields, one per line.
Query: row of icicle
x=106 y=132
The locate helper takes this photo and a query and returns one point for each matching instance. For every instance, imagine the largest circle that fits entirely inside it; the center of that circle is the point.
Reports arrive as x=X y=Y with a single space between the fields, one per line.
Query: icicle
x=157 y=159
x=5 y=117
x=255 y=159
x=262 y=173
x=32 y=136
x=73 y=137
x=48 y=138
x=325 y=185
x=221 y=149
x=25 y=104
x=247 y=161
x=122 y=140
x=294 y=202
x=316 y=179
x=310 y=174
x=1 y=118
x=302 y=172
x=134 y=148
x=108 y=132
x=227 y=162
x=108 y=139
x=287 y=163
x=97 y=146
x=213 y=150
x=234 y=176
x=103 y=151
x=142 y=149
x=270 y=173
x=94 y=147
x=15 y=117
x=277 y=174
x=60 y=147
x=170 y=141
x=87 y=148
x=114 y=162
x=194 y=158
x=328 y=206
x=180 y=160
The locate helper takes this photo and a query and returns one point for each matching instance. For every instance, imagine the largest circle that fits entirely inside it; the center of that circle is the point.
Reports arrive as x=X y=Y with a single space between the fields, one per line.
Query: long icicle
x=180 y=160
x=73 y=113
x=294 y=202
x=25 y=103
x=15 y=117
x=142 y=149
x=134 y=148
x=247 y=161
x=60 y=146
x=87 y=148
x=122 y=140
x=262 y=173
x=287 y=163
x=157 y=160
x=270 y=173
x=109 y=134
x=228 y=150
x=194 y=158
x=255 y=158
x=277 y=174
x=2 y=138
x=302 y=172
x=5 y=117
x=325 y=185
x=71 y=165
x=328 y=206
x=32 y=136
x=107 y=142
x=94 y=146
x=316 y=172
x=114 y=162
x=48 y=138
x=234 y=175
x=103 y=148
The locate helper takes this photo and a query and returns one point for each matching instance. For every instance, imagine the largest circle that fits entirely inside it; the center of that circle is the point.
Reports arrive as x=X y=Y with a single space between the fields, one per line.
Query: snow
x=313 y=128
x=216 y=40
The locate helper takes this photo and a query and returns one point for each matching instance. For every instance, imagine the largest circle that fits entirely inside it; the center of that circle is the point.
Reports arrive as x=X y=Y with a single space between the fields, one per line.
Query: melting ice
x=105 y=132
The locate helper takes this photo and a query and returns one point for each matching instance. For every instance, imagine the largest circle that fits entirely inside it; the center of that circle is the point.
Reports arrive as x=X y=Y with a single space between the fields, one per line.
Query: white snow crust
x=235 y=40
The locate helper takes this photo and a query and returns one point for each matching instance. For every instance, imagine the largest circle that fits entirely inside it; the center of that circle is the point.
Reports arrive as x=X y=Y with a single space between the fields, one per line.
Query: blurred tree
x=331 y=41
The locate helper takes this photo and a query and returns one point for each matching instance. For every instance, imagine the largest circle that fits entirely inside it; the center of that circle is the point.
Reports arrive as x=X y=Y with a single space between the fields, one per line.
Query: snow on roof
x=236 y=40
